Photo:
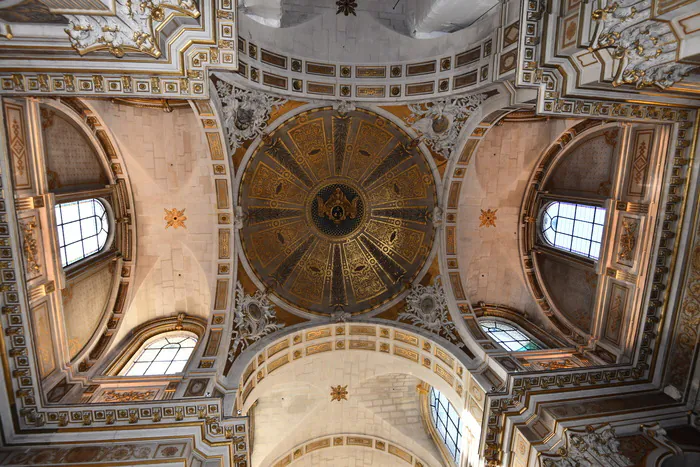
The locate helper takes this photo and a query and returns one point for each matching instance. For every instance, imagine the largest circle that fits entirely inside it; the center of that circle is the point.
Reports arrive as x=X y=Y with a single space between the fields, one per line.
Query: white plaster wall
x=295 y=405
x=496 y=179
x=169 y=166
x=362 y=39
x=394 y=398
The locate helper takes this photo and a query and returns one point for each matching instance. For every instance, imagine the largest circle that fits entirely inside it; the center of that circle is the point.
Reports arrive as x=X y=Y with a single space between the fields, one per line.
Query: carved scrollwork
x=246 y=112
x=133 y=29
x=646 y=49
x=440 y=122
x=426 y=307
x=254 y=318
x=591 y=447
x=128 y=396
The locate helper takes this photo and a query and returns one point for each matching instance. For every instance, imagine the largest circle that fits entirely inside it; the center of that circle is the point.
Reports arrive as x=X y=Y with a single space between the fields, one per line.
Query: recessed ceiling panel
x=338 y=211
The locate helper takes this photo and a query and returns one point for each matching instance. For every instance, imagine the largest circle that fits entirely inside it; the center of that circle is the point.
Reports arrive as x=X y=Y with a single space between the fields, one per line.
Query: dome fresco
x=338 y=211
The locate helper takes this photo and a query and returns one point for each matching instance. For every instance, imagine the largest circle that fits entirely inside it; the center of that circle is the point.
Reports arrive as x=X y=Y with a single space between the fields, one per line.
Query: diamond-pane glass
x=574 y=227
x=83 y=228
x=508 y=336
x=163 y=356
x=447 y=423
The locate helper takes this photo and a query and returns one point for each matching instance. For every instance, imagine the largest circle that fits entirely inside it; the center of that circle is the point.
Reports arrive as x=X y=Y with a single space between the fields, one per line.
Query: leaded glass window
x=165 y=355
x=83 y=229
x=447 y=422
x=508 y=336
x=574 y=227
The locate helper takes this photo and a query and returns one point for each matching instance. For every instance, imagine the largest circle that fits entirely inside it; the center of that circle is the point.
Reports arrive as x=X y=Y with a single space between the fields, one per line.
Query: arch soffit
x=349 y=440
x=568 y=141
x=103 y=142
x=424 y=357
x=473 y=133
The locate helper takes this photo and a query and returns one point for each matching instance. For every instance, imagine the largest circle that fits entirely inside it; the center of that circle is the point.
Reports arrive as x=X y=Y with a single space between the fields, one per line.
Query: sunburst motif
x=346 y=7
x=339 y=393
x=488 y=218
x=175 y=218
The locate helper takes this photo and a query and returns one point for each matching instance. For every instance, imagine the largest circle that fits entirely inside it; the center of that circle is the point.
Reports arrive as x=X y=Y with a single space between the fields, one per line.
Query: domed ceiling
x=338 y=211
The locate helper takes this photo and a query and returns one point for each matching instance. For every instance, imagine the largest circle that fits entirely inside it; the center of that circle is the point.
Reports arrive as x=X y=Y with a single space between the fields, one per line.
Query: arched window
x=163 y=355
x=508 y=336
x=447 y=421
x=574 y=227
x=83 y=229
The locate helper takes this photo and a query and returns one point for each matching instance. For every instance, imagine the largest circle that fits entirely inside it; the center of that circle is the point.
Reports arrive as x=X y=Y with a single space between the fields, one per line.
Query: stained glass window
x=447 y=421
x=574 y=227
x=508 y=336
x=164 y=356
x=83 y=228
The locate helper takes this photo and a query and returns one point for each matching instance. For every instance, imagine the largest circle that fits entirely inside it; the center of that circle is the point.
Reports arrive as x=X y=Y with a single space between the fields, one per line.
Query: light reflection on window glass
x=508 y=336
x=163 y=356
x=447 y=422
x=574 y=227
x=83 y=228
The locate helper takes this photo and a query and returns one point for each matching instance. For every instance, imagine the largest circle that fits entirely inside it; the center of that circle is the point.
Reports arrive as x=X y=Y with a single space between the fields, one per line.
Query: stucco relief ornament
x=592 y=447
x=246 y=112
x=132 y=29
x=440 y=122
x=344 y=107
x=645 y=49
x=426 y=307
x=254 y=318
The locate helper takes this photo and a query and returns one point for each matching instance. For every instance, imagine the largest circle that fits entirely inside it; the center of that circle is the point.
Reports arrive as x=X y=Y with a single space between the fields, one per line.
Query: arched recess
x=122 y=209
x=70 y=156
x=333 y=352
x=120 y=356
x=348 y=443
x=484 y=118
x=485 y=310
x=597 y=297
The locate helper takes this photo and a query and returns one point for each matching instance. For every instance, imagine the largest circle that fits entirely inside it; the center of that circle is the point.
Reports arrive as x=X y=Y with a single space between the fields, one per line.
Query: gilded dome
x=338 y=211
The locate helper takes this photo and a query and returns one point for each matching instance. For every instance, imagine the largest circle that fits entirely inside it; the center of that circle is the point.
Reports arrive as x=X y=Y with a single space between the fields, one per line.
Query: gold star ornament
x=339 y=393
x=488 y=218
x=174 y=218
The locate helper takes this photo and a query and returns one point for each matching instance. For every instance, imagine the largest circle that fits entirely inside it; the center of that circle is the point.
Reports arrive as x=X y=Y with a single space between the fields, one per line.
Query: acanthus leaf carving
x=253 y=318
x=587 y=448
x=426 y=307
x=645 y=48
x=440 y=122
x=133 y=29
x=245 y=112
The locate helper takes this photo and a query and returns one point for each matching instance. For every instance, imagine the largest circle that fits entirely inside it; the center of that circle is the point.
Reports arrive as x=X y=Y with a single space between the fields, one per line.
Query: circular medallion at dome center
x=337 y=210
